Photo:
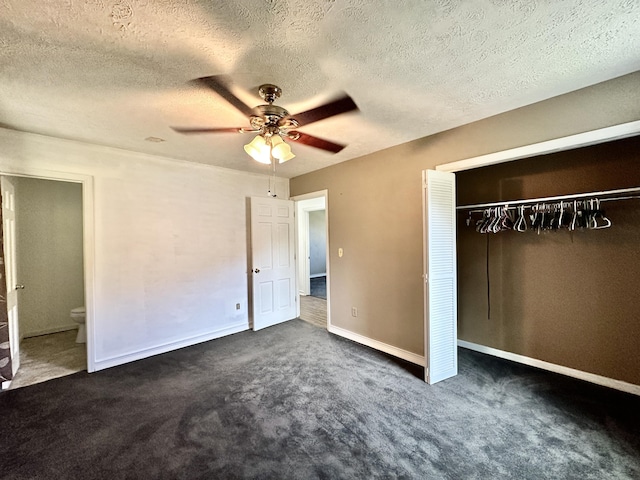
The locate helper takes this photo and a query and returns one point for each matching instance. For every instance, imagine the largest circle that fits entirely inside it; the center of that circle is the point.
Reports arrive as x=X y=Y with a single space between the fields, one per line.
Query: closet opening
x=548 y=261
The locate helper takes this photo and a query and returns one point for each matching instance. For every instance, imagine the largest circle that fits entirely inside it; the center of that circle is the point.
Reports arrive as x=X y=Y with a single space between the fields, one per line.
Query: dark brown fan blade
x=218 y=83
x=342 y=105
x=315 y=142
x=206 y=130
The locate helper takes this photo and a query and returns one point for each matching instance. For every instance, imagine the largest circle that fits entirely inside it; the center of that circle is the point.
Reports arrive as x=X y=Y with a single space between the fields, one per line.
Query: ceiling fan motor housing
x=269 y=92
x=271 y=116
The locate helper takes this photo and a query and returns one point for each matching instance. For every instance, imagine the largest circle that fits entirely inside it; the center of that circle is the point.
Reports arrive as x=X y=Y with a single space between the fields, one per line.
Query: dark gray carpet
x=294 y=402
x=318 y=287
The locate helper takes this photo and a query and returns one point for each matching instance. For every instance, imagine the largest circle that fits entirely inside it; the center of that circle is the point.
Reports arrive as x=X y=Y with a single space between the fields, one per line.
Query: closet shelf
x=609 y=194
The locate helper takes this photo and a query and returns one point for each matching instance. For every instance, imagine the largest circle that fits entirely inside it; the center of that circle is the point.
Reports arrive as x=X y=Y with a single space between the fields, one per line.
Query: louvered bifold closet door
x=441 y=336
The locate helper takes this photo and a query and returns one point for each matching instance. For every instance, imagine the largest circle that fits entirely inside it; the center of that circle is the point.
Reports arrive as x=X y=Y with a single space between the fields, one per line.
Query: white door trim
x=584 y=139
x=308 y=196
x=88 y=233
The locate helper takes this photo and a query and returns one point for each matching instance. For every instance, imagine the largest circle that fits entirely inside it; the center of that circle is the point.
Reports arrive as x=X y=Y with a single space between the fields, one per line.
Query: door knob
x=19 y=287
x=257 y=270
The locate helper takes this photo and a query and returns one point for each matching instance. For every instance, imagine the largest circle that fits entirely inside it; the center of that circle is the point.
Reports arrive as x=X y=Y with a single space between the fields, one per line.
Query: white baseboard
x=318 y=275
x=167 y=347
x=552 y=367
x=377 y=345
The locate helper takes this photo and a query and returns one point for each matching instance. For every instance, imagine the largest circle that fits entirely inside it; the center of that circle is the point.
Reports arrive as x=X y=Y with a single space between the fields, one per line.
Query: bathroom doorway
x=50 y=266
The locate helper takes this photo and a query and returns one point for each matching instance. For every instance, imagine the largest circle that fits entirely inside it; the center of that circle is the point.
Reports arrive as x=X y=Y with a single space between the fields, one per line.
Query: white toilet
x=78 y=315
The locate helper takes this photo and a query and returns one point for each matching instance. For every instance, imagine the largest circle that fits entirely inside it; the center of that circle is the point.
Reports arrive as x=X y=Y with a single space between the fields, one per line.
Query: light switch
x=340 y=252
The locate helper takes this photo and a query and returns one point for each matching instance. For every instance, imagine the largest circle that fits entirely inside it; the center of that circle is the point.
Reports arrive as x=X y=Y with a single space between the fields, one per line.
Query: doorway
x=49 y=257
x=312 y=246
x=317 y=241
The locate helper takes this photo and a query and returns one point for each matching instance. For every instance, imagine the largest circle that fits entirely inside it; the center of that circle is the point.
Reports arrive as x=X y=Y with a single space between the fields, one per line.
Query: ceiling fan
x=272 y=123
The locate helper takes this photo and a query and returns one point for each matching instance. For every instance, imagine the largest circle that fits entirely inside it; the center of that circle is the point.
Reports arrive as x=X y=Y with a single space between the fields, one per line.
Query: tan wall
x=375 y=209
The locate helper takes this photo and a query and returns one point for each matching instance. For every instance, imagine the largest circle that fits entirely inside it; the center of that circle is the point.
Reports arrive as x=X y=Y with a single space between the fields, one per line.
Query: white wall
x=170 y=257
x=49 y=254
x=317 y=243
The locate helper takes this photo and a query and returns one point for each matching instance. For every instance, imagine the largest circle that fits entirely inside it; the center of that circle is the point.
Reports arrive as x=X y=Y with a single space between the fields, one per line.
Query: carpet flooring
x=295 y=402
x=318 y=287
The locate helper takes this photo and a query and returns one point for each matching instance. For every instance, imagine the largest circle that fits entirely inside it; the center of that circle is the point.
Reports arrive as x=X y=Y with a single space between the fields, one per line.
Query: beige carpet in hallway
x=313 y=310
x=49 y=356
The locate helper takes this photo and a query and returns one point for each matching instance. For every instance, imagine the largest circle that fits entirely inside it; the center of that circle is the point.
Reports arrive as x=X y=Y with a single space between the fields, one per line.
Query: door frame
x=592 y=137
x=88 y=239
x=309 y=196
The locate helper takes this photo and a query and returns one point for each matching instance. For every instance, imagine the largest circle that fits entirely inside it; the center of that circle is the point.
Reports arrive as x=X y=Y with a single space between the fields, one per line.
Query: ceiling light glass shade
x=259 y=150
x=286 y=158
x=280 y=150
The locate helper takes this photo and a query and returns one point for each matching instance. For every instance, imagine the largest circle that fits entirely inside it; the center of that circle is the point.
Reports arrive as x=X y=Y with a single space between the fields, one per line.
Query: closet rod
x=551 y=199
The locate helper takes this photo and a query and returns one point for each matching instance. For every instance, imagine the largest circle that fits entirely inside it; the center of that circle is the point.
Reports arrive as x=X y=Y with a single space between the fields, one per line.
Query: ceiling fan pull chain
x=272 y=180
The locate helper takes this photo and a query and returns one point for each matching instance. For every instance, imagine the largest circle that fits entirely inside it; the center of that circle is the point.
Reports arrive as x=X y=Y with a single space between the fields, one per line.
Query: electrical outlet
x=354 y=312
x=237 y=306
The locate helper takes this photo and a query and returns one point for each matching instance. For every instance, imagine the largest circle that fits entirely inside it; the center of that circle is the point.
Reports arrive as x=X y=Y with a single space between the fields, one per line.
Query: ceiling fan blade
x=315 y=142
x=342 y=105
x=207 y=130
x=219 y=84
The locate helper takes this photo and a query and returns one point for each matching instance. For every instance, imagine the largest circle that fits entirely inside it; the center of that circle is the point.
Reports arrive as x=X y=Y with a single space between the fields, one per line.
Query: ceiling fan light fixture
x=280 y=150
x=273 y=122
x=286 y=157
x=259 y=150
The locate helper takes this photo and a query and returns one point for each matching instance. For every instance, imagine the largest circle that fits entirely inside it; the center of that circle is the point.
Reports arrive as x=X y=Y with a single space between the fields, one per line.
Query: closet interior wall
x=569 y=298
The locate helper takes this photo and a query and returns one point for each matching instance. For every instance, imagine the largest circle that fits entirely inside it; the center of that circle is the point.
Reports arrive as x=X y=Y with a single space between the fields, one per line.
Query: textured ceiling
x=115 y=72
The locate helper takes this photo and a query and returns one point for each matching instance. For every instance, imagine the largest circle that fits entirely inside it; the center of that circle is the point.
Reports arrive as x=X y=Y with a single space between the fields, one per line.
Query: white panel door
x=9 y=232
x=441 y=336
x=273 y=260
